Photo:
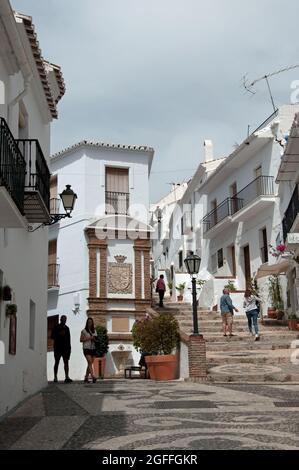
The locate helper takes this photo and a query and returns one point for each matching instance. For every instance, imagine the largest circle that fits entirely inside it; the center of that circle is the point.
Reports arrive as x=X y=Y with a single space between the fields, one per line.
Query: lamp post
x=192 y=263
x=68 y=198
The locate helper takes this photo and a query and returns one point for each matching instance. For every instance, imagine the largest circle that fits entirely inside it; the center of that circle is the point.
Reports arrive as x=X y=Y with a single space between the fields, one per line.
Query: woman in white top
x=88 y=338
x=252 y=312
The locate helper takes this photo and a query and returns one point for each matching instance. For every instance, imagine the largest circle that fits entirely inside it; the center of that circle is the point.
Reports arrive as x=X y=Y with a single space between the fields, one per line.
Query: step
x=275 y=357
x=267 y=378
x=253 y=345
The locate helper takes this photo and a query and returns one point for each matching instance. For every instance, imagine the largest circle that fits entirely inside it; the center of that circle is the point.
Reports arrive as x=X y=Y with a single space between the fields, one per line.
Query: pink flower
x=281 y=248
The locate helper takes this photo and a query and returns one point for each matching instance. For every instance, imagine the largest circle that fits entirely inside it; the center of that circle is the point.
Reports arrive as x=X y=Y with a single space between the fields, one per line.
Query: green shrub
x=159 y=335
x=102 y=343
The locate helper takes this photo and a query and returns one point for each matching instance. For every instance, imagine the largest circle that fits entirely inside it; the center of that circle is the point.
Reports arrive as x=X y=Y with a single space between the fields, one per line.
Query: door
x=52 y=264
x=214 y=218
x=265 y=246
x=233 y=192
x=259 y=181
x=247 y=271
x=233 y=258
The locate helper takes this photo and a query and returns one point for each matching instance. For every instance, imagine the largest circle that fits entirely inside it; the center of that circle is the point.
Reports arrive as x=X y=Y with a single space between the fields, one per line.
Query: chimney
x=208 y=149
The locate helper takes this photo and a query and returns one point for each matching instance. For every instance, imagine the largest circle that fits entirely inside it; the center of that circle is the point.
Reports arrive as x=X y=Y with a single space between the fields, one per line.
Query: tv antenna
x=249 y=85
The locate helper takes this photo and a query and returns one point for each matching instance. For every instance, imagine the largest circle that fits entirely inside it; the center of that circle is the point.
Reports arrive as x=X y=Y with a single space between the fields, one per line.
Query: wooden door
x=247 y=270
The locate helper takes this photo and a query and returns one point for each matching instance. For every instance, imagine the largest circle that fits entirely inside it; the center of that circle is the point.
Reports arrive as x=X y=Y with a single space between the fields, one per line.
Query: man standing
x=227 y=312
x=62 y=347
x=161 y=288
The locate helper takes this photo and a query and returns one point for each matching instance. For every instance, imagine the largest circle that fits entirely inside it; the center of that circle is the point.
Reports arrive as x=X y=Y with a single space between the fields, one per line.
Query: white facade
x=27 y=112
x=234 y=214
x=84 y=164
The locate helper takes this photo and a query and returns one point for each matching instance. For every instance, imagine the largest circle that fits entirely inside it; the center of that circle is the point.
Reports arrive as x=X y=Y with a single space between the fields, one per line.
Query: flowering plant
x=278 y=250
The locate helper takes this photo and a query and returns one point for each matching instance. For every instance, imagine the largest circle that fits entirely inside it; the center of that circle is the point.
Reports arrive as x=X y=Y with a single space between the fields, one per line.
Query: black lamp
x=68 y=198
x=192 y=263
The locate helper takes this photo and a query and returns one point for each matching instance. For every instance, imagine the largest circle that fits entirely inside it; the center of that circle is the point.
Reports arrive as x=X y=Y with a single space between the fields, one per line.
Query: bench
x=141 y=370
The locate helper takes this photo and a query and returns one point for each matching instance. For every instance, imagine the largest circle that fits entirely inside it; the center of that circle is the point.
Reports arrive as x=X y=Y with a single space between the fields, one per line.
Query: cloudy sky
x=166 y=73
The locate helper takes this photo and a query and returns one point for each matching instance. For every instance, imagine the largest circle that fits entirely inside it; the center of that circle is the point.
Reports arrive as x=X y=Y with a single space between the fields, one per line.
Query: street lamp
x=192 y=263
x=68 y=198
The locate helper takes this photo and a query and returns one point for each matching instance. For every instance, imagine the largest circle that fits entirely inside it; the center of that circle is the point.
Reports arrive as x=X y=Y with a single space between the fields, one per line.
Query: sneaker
x=94 y=380
x=55 y=380
x=256 y=338
x=68 y=380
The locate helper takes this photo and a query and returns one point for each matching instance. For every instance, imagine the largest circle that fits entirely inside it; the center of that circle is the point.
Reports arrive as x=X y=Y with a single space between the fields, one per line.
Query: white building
x=232 y=214
x=30 y=89
x=288 y=179
x=101 y=273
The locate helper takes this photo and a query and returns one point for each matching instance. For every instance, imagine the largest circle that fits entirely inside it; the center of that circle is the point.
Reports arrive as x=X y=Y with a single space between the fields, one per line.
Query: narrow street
x=139 y=414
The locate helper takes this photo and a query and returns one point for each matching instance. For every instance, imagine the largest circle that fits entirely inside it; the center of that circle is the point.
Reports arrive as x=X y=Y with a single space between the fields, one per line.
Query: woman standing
x=252 y=312
x=88 y=338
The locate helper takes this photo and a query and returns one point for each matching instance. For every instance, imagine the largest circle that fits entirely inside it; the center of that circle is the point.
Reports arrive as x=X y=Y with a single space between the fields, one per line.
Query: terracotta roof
x=137 y=148
x=40 y=64
x=59 y=78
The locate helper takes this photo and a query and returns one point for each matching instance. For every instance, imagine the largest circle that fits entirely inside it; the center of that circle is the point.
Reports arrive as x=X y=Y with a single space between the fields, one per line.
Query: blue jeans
x=252 y=316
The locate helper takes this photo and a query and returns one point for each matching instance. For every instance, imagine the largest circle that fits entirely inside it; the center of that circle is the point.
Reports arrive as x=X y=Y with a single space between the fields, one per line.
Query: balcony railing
x=264 y=254
x=38 y=175
x=53 y=279
x=12 y=166
x=260 y=186
x=291 y=213
x=117 y=202
x=218 y=214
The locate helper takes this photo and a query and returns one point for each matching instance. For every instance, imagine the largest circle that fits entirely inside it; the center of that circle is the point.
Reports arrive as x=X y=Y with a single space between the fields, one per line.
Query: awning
x=270 y=269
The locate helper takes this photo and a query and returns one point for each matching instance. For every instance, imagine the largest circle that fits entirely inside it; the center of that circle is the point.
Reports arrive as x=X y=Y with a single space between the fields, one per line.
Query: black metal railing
x=12 y=166
x=260 y=186
x=53 y=279
x=291 y=213
x=38 y=174
x=117 y=202
x=218 y=214
x=264 y=254
x=54 y=205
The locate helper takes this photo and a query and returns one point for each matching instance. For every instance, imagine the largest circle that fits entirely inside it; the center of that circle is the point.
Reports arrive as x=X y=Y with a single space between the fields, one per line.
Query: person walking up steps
x=161 y=288
x=252 y=312
x=227 y=311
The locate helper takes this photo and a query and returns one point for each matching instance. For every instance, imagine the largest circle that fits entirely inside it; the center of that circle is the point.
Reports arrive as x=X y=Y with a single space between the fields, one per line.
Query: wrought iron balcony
x=291 y=213
x=53 y=279
x=12 y=166
x=37 y=182
x=260 y=186
x=117 y=202
x=218 y=214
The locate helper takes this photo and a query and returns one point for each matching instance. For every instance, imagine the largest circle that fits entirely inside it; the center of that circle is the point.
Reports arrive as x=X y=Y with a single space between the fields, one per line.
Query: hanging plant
x=6 y=293
x=11 y=309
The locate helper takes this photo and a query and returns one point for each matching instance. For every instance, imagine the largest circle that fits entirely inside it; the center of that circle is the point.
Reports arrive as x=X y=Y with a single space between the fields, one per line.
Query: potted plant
x=293 y=321
x=102 y=347
x=157 y=338
x=11 y=309
x=181 y=289
x=230 y=286
x=6 y=294
x=275 y=296
x=170 y=286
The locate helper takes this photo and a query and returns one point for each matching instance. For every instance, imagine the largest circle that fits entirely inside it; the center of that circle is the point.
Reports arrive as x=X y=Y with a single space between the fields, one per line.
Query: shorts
x=62 y=353
x=89 y=352
x=227 y=318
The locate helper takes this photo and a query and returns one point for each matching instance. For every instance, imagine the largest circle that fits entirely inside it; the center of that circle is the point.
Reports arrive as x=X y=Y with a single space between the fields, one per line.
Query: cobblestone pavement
x=141 y=414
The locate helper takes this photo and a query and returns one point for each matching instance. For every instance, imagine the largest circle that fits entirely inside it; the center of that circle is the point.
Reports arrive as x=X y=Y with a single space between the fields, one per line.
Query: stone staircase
x=240 y=358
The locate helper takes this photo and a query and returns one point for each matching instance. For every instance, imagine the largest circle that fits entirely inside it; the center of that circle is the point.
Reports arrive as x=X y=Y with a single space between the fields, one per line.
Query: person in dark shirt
x=62 y=347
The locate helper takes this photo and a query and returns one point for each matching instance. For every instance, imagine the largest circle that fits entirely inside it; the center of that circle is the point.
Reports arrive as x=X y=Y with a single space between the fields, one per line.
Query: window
x=54 y=201
x=32 y=325
x=264 y=245
x=180 y=259
x=52 y=264
x=233 y=192
x=214 y=263
x=117 y=190
x=220 y=258
x=52 y=321
x=214 y=213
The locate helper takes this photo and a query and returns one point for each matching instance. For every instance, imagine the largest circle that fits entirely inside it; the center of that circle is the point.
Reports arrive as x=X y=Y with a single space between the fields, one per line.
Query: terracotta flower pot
x=162 y=367
x=272 y=313
x=293 y=324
